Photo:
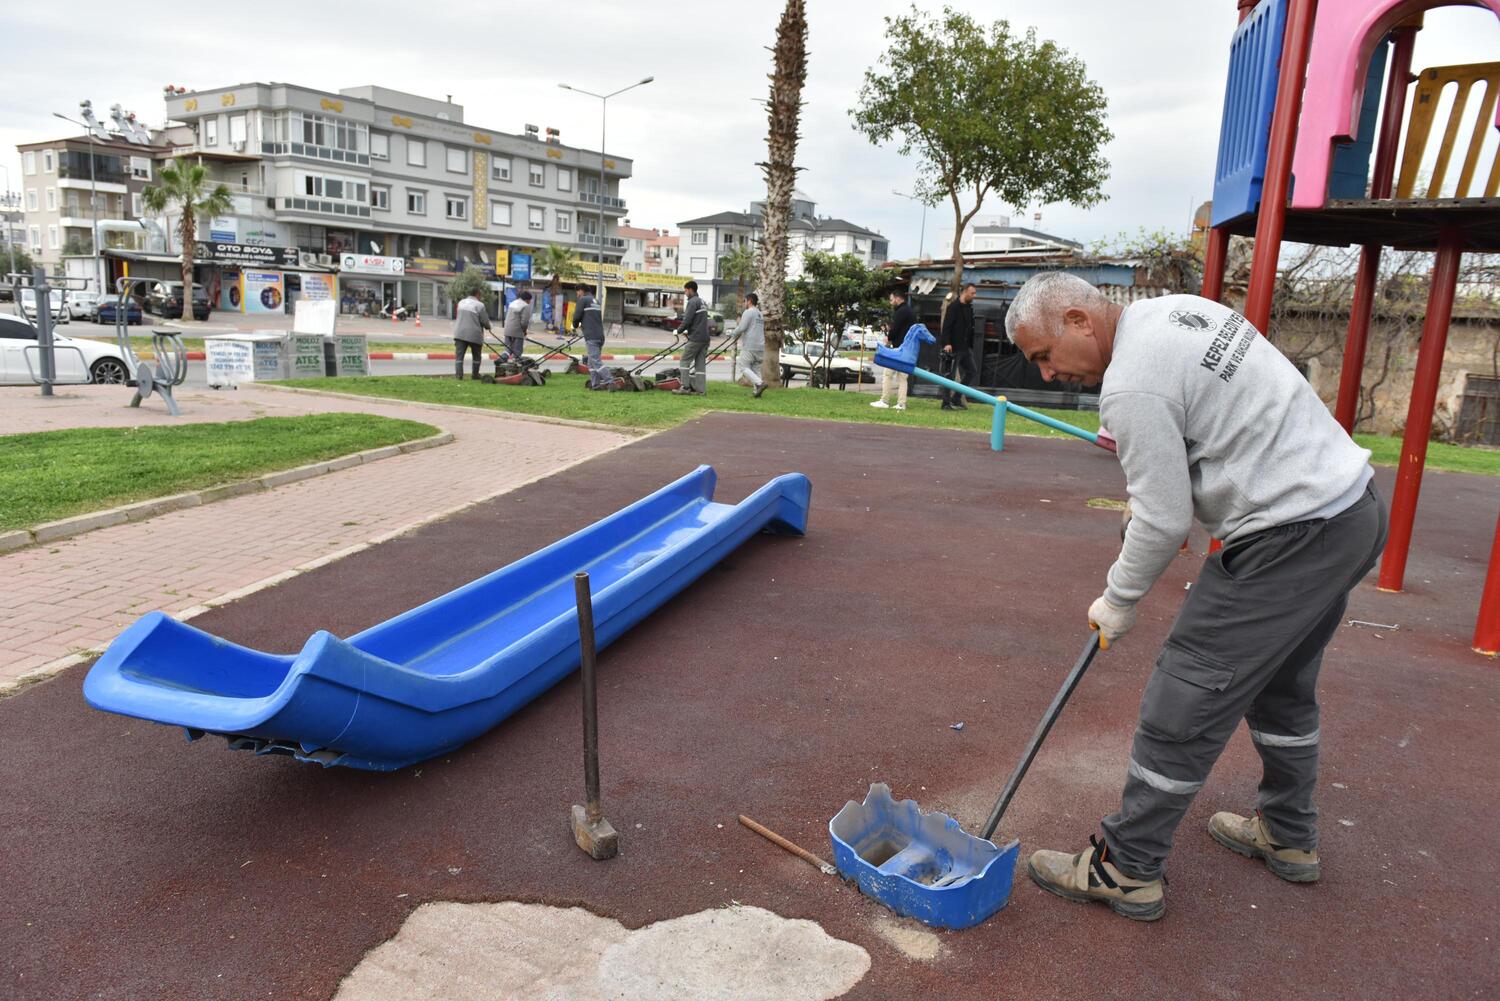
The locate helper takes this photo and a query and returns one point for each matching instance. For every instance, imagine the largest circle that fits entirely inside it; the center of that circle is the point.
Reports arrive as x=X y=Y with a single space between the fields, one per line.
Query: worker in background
x=587 y=317
x=750 y=334
x=468 y=331
x=1213 y=424
x=956 y=342
x=517 y=322
x=695 y=327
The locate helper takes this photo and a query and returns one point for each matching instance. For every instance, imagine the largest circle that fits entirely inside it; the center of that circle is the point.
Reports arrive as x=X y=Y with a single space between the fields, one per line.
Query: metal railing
x=609 y=242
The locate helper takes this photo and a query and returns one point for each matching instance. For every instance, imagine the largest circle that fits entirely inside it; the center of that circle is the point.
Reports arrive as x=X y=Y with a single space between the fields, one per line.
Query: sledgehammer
x=593 y=833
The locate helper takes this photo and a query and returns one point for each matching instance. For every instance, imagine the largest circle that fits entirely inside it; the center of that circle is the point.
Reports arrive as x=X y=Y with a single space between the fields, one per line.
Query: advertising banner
x=318 y=288
x=371 y=264
x=520 y=267
x=307 y=356
x=262 y=292
x=243 y=254
x=229 y=294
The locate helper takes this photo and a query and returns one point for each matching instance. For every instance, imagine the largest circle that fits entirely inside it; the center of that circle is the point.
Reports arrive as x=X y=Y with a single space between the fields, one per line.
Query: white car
x=805 y=358
x=59 y=309
x=77 y=360
x=81 y=305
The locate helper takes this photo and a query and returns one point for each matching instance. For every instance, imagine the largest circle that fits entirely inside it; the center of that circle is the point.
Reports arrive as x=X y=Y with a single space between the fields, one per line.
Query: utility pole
x=922 y=239
x=87 y=109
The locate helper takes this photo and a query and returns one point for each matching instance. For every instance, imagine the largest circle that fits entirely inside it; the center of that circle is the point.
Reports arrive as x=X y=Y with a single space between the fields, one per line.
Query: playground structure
x=437 y=676
x=904 y=359
x=1304 y=104
x=171 y=356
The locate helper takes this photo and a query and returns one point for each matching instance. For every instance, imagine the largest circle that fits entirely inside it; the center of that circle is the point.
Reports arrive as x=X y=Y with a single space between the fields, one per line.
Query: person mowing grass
x=1213 y=423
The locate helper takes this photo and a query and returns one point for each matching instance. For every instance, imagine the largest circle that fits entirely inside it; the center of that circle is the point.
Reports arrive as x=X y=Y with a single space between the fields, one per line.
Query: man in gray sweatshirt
x=469 y=326
x=1213 y=424
x=517 y=322
x=750 y=334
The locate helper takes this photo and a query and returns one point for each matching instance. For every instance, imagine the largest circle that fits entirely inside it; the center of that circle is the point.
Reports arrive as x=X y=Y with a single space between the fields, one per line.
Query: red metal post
x=1271 y=219
x=1369 y=256
x=1419 y=413
x=1487 y=629
x=1215 y=251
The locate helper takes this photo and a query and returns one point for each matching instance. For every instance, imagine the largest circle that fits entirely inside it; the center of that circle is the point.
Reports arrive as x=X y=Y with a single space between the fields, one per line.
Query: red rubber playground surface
x=938 y=583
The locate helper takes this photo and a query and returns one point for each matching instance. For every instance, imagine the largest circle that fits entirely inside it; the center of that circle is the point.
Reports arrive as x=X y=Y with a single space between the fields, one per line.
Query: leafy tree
x=988 y=112
x=739 y=264
x=837 y=290
x=1169 y=261
x=78 y=246
x=16 y=261
x=559 y=262
x=184 y=184
x=469 y=281
x=784 y=111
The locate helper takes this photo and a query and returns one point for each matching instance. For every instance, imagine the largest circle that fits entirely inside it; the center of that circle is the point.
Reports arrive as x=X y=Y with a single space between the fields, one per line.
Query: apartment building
x=633 y=254
x=704 y=242
x=56 y=188
x=661 y=253
x=994 y=234
x=395 y=191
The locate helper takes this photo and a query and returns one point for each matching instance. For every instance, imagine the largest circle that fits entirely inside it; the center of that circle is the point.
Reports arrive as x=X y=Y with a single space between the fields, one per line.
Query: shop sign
x=262 y=292
x=366 y=264
x=245 y=255
x=520 y=267
x=317 y=288
x=431 y=265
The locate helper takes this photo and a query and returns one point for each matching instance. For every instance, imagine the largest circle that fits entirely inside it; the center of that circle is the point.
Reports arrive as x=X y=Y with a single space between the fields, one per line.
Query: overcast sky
x=696 y=133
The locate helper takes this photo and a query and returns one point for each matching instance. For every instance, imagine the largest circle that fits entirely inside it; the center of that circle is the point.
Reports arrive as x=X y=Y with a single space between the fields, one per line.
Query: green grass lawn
x=564 y=396
x=55 y=474
x=142 y=344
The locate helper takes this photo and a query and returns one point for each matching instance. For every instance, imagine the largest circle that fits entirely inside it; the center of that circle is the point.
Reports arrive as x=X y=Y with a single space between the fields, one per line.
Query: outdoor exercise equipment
x=171 y=366
x=924 y=865
x=1304 y=101
x=40 y=284
x=435 y=677
x=904 y=359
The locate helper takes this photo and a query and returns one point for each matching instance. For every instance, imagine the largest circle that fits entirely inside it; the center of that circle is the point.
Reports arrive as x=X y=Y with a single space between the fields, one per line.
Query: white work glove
x=1111 y=620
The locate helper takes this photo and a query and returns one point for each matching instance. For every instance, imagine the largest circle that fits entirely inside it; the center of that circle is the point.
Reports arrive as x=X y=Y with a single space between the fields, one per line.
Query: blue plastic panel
x=441 y=674
x=1249 y=99
x=1349 y=174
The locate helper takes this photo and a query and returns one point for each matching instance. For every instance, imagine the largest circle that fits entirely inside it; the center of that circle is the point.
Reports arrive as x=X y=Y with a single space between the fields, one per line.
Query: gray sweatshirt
x=751 y=330
x=694 y=319
x=518 y=318
x=1214 y=423
x=471 y=322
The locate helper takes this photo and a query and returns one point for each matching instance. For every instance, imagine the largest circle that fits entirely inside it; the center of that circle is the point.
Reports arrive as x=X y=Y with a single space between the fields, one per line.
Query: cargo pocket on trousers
x=1183 y=693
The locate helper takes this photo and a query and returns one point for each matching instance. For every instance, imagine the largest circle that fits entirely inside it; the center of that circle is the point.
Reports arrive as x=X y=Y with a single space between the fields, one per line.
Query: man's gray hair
x=1045 y=297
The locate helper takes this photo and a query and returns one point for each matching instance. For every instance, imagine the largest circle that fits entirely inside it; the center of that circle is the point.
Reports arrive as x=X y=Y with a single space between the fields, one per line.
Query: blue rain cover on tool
x=904 y=358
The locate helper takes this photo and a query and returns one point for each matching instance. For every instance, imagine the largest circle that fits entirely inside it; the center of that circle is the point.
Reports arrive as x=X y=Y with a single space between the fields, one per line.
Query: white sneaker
x=899 y=406
x=882 y=405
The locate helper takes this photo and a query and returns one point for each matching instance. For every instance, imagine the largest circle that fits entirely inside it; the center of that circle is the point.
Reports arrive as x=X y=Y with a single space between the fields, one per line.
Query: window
x=47 y=161
x=416 y=152
x=380 y=197
x=70 y=203
x=536 y=218
x=728 y=238
x=564 y=178
x=30 y=157
x=51 y=199
x=500 y=168
x=699 y=265
x=458 y=207
x=210 y=132
x=500 y=213
x=380 y=146
x=31 y=203
x=458 y=159
x=36 y=237
x=339 y=188
x=538 y=175
x=51 y=237
x=700 y=237
x=140 y=168
x=136 y=205
x=237 y=131
x=416 y=202
x=564 y=222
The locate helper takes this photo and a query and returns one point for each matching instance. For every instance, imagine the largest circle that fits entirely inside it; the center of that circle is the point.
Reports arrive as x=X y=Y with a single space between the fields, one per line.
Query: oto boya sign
x=245 y=255
x=366 y=264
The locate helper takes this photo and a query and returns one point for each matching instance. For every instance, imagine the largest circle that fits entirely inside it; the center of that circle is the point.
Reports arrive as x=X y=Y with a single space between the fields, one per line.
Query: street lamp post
x=93 y=189
x=922 y=238
x=10 y=240
x=603 y=122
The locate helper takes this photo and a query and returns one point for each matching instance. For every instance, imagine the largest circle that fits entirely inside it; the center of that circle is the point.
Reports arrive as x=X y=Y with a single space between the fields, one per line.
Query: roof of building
x=112 y=143
x=636 y=233
x=753 y=220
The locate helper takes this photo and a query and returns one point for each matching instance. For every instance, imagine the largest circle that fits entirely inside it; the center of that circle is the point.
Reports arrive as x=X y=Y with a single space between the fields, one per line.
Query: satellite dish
x=375 y=247
x=484 y=257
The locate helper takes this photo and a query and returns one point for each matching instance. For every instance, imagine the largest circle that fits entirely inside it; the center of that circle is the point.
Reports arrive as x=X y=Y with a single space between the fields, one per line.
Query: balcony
x=609 y=203
x=610 y=242
x=323 y=206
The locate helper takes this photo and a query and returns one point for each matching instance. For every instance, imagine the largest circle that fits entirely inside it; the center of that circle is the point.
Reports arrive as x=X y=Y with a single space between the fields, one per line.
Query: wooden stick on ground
x=781 y=842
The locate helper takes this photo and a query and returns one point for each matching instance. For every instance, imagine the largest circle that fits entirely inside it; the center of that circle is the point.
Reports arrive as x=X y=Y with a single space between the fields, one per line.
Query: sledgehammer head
x=597 y=837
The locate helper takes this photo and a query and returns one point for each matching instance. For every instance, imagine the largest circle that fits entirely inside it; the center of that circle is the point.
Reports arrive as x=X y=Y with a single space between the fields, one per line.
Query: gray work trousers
x=1247 y=644
x=599 y=375
x=516 y=346
x=695 y=366
x=459 y=348
x=748 y=367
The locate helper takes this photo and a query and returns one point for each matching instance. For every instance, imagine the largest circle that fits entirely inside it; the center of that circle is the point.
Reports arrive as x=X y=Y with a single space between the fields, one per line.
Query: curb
x=67 y=528
x=44 y=671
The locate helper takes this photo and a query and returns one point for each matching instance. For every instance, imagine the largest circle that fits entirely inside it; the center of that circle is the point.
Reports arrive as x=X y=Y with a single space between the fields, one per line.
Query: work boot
x=1089 y=875
x=758 y=390
x=1250 y=837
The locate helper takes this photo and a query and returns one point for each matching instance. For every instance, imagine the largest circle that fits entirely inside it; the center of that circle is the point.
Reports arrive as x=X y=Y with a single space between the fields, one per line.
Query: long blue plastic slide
x=439 y=675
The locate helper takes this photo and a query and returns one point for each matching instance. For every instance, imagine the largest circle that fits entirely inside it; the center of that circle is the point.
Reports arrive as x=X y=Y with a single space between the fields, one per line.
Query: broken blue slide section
x=439 y=675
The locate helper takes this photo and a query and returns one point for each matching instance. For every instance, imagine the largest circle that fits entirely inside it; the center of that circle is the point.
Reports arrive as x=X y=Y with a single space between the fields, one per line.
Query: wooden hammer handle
x=781 y=842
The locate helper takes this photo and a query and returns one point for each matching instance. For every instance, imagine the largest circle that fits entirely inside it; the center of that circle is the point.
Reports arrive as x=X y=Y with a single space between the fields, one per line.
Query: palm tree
x=559 y=262
x=739 y=264
x=783 y=111
x=182 y=185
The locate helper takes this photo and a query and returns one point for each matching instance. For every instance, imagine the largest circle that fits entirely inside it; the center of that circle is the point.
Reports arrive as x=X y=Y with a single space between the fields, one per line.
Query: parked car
x=805 y=359
x=81 y=304
x=105 y=310
x=165 y=300
x=78 y=360
x=715 y=323
x=59 y=306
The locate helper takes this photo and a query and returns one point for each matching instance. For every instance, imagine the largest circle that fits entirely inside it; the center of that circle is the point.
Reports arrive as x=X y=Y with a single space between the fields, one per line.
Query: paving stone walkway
x=65 y=601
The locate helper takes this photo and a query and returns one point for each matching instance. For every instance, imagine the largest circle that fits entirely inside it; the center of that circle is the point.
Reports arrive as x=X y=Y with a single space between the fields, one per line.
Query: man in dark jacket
x=893 y=384
x=956 y=341
x=695 y=328
x=587 y=316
